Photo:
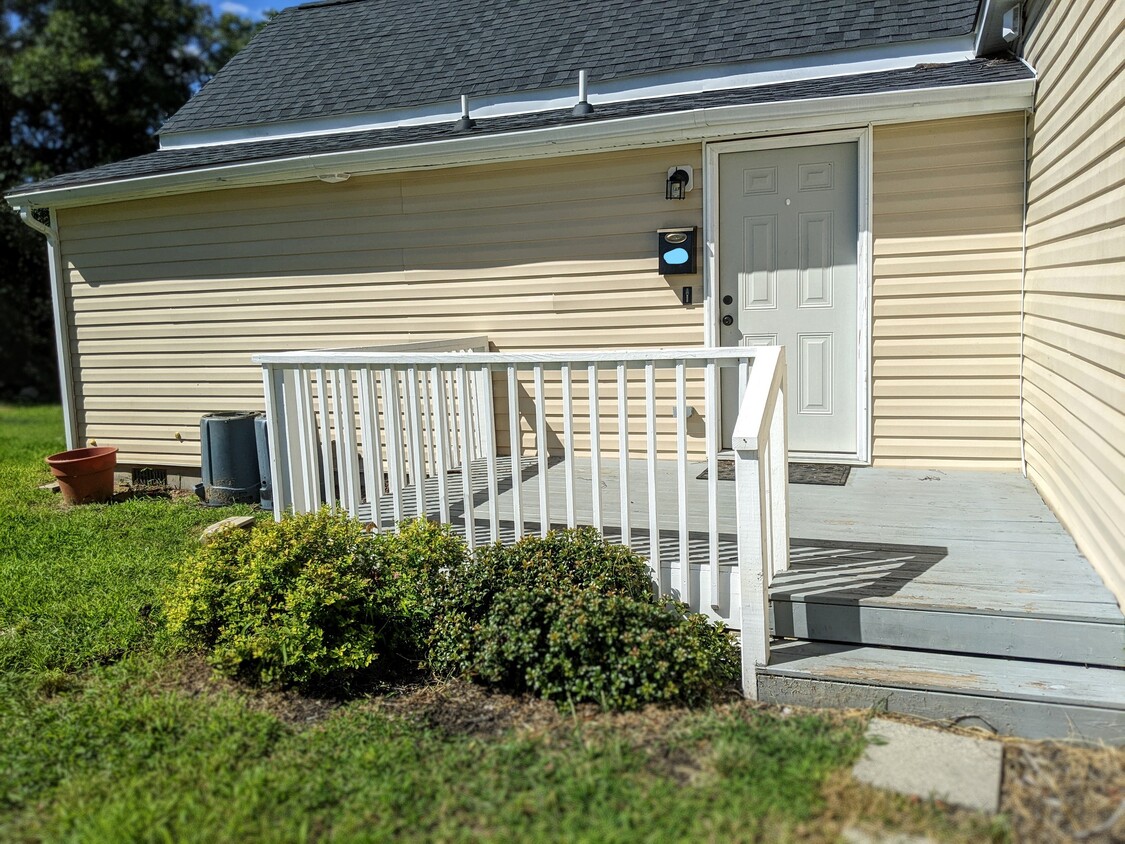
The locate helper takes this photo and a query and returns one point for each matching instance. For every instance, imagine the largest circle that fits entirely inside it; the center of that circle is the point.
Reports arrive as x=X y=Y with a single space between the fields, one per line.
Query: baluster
x=414 y=431
x=653 y=519
x=488 y=437
x=326 y=469
x=681 y=485
x=541 y=451
x=712 y=410
x=373 y=460
x=623 y=448
x=307 y=439
x=441 y=447
x=466 y=462
x=515 y=449
x=568 y=442
x=393 y=421
x=595 y=447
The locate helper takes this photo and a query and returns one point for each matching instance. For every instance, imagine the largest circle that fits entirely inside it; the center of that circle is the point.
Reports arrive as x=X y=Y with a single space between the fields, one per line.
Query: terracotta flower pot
x=85 y=475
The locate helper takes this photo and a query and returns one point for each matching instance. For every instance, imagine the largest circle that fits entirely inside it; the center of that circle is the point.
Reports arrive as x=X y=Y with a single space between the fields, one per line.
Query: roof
x=344 y=57
x=183 y=159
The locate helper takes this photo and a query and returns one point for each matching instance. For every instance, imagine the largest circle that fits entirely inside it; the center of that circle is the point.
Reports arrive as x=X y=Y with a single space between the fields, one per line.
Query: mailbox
x=676 y=251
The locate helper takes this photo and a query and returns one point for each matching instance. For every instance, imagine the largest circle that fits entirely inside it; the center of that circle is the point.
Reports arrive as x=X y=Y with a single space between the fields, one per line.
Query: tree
x=82 y=83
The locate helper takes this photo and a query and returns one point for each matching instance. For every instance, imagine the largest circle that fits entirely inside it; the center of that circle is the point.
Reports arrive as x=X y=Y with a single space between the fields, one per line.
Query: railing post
x=273 y=385
x=762 y=504
x=752 y=555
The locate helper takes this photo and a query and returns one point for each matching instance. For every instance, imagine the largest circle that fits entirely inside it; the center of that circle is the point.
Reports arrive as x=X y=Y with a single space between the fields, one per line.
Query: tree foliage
x=82 y=83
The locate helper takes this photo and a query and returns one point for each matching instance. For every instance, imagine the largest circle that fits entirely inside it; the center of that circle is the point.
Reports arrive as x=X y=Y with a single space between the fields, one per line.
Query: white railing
x=505 y=444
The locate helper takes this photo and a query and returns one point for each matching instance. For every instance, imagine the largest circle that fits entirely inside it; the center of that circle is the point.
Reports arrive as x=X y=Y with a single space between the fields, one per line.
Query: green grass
x=102 y=740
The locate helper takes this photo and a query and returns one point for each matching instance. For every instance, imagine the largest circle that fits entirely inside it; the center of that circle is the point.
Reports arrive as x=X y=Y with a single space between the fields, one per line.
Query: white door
x=788 y=233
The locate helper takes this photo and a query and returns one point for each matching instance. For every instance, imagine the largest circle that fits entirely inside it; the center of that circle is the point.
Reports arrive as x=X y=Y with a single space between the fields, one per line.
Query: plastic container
x=229 y=456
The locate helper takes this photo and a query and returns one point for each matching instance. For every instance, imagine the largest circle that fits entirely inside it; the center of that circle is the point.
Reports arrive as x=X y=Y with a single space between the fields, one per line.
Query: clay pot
x=85 y=475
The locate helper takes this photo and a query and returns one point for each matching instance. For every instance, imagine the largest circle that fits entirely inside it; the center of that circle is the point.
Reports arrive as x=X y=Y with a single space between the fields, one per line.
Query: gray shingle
x=175 y=160
x=360 y=56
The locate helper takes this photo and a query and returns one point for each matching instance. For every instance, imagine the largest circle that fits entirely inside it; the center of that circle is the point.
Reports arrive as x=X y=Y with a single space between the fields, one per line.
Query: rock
x=231 y=523
x=53 y=486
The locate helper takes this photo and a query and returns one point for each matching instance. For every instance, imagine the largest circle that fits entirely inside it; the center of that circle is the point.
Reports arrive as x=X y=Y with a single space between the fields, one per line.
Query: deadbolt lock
x=728 y=320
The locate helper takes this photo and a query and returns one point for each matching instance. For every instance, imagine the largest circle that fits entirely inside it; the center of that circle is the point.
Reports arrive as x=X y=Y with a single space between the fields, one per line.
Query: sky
x=250 y=8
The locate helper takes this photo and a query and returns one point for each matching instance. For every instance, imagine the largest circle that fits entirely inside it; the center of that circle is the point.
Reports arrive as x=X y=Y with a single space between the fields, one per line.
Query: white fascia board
x=687 y=126
x=693 y=80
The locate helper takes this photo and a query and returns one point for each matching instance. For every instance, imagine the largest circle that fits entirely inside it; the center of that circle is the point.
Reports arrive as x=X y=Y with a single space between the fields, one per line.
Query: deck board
x=980 y=542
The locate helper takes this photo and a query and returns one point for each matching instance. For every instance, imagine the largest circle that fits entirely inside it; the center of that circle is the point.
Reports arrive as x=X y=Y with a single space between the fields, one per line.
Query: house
x=921 y=201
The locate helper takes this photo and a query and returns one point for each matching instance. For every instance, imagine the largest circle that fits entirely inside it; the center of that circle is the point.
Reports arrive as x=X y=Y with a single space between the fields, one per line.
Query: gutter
x=58 y=309
x=689 y=126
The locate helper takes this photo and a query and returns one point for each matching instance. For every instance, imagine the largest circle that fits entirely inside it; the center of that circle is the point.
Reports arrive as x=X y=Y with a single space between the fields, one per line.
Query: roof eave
x=694 y=125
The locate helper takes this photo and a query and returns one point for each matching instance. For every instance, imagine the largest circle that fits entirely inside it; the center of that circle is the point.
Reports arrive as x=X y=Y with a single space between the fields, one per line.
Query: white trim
x=58 y=312
x=691 y=80
x=571 y=139
x=861 y=136
x=991 y=35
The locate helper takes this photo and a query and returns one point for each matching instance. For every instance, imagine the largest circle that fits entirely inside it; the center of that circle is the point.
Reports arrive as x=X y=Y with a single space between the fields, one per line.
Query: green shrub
x=572 y=617
x=310 y=599
x=571 y=559
x=415 y=561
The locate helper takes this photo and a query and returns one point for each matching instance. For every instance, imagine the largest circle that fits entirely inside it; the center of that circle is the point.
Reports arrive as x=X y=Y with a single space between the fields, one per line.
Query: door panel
x=788 y=233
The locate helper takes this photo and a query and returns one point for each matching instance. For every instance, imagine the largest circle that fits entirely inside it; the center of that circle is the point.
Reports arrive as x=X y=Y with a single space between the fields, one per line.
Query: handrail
x=345 y=357
x=428 y=427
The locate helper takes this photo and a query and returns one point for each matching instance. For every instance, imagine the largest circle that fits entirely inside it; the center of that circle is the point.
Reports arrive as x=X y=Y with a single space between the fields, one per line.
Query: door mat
x=822 y=474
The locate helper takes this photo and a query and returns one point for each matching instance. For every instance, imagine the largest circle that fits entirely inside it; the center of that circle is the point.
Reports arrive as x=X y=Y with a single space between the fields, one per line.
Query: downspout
x=58 y=302
x=1023 y=292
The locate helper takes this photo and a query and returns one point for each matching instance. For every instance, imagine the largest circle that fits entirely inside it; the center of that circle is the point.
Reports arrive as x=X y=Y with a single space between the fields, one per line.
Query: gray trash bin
x=229 y=452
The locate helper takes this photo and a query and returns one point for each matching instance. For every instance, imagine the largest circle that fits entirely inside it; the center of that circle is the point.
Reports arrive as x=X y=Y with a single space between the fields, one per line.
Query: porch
x=954 y=595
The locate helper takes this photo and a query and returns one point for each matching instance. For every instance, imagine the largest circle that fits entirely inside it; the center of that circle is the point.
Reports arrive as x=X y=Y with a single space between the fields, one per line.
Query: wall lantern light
x=679 y=182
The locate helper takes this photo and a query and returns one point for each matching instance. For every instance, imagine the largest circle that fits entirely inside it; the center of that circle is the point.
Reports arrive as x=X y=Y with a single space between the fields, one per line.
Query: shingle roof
x=360 y=56
x=183 y=159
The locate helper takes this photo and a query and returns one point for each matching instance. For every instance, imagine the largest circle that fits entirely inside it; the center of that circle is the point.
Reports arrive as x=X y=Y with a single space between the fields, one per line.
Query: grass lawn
x=104 y=736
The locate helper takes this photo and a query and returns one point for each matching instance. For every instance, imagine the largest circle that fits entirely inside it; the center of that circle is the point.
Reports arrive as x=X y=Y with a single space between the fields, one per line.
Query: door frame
x=712 y=161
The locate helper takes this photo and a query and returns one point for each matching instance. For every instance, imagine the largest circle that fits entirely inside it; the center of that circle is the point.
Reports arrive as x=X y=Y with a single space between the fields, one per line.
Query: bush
x=310 y=599
x=571 y=617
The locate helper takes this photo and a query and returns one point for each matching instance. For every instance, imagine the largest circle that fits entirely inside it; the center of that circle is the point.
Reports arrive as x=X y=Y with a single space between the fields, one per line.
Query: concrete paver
x=930 y=763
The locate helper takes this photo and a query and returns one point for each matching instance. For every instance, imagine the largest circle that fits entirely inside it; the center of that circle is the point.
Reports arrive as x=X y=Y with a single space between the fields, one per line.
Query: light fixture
x=334 y=178
x=679 y=182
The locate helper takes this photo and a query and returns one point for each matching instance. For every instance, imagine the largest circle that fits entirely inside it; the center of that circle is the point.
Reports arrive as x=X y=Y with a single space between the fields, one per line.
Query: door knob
x=728 y=320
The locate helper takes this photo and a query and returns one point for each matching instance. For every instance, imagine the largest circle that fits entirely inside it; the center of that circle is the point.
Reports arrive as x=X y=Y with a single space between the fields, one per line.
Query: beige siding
x=170 y=297
x=1074 y=391
x=947 y=207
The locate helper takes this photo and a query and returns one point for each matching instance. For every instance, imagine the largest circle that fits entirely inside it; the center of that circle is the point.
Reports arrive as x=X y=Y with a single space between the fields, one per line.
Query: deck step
x=1011 y=697
x=1077 y=640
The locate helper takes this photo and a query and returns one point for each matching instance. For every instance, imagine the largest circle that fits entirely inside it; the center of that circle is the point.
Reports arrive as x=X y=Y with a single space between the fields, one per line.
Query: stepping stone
x=231 y=523
x=932 y=764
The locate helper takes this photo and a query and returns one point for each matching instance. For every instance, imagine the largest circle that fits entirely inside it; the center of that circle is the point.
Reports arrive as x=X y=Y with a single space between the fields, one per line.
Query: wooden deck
x=963 y=580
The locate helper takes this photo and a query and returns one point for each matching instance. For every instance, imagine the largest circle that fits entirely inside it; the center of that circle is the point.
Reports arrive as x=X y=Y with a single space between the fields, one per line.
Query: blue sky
x=250 y=8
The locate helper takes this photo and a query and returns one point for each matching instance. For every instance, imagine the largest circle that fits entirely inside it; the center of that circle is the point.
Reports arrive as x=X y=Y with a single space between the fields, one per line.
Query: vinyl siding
x=170 y=297
x=947 y=203
x=1074 y=389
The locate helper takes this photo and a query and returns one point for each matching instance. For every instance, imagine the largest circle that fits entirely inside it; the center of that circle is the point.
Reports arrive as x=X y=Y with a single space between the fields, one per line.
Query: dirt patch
x=458 y=707
x=194 y=677
x=1054 y=791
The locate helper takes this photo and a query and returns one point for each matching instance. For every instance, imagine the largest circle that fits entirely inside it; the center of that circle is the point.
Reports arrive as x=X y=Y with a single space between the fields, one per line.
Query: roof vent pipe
x=465 y=123
x=583 y=107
